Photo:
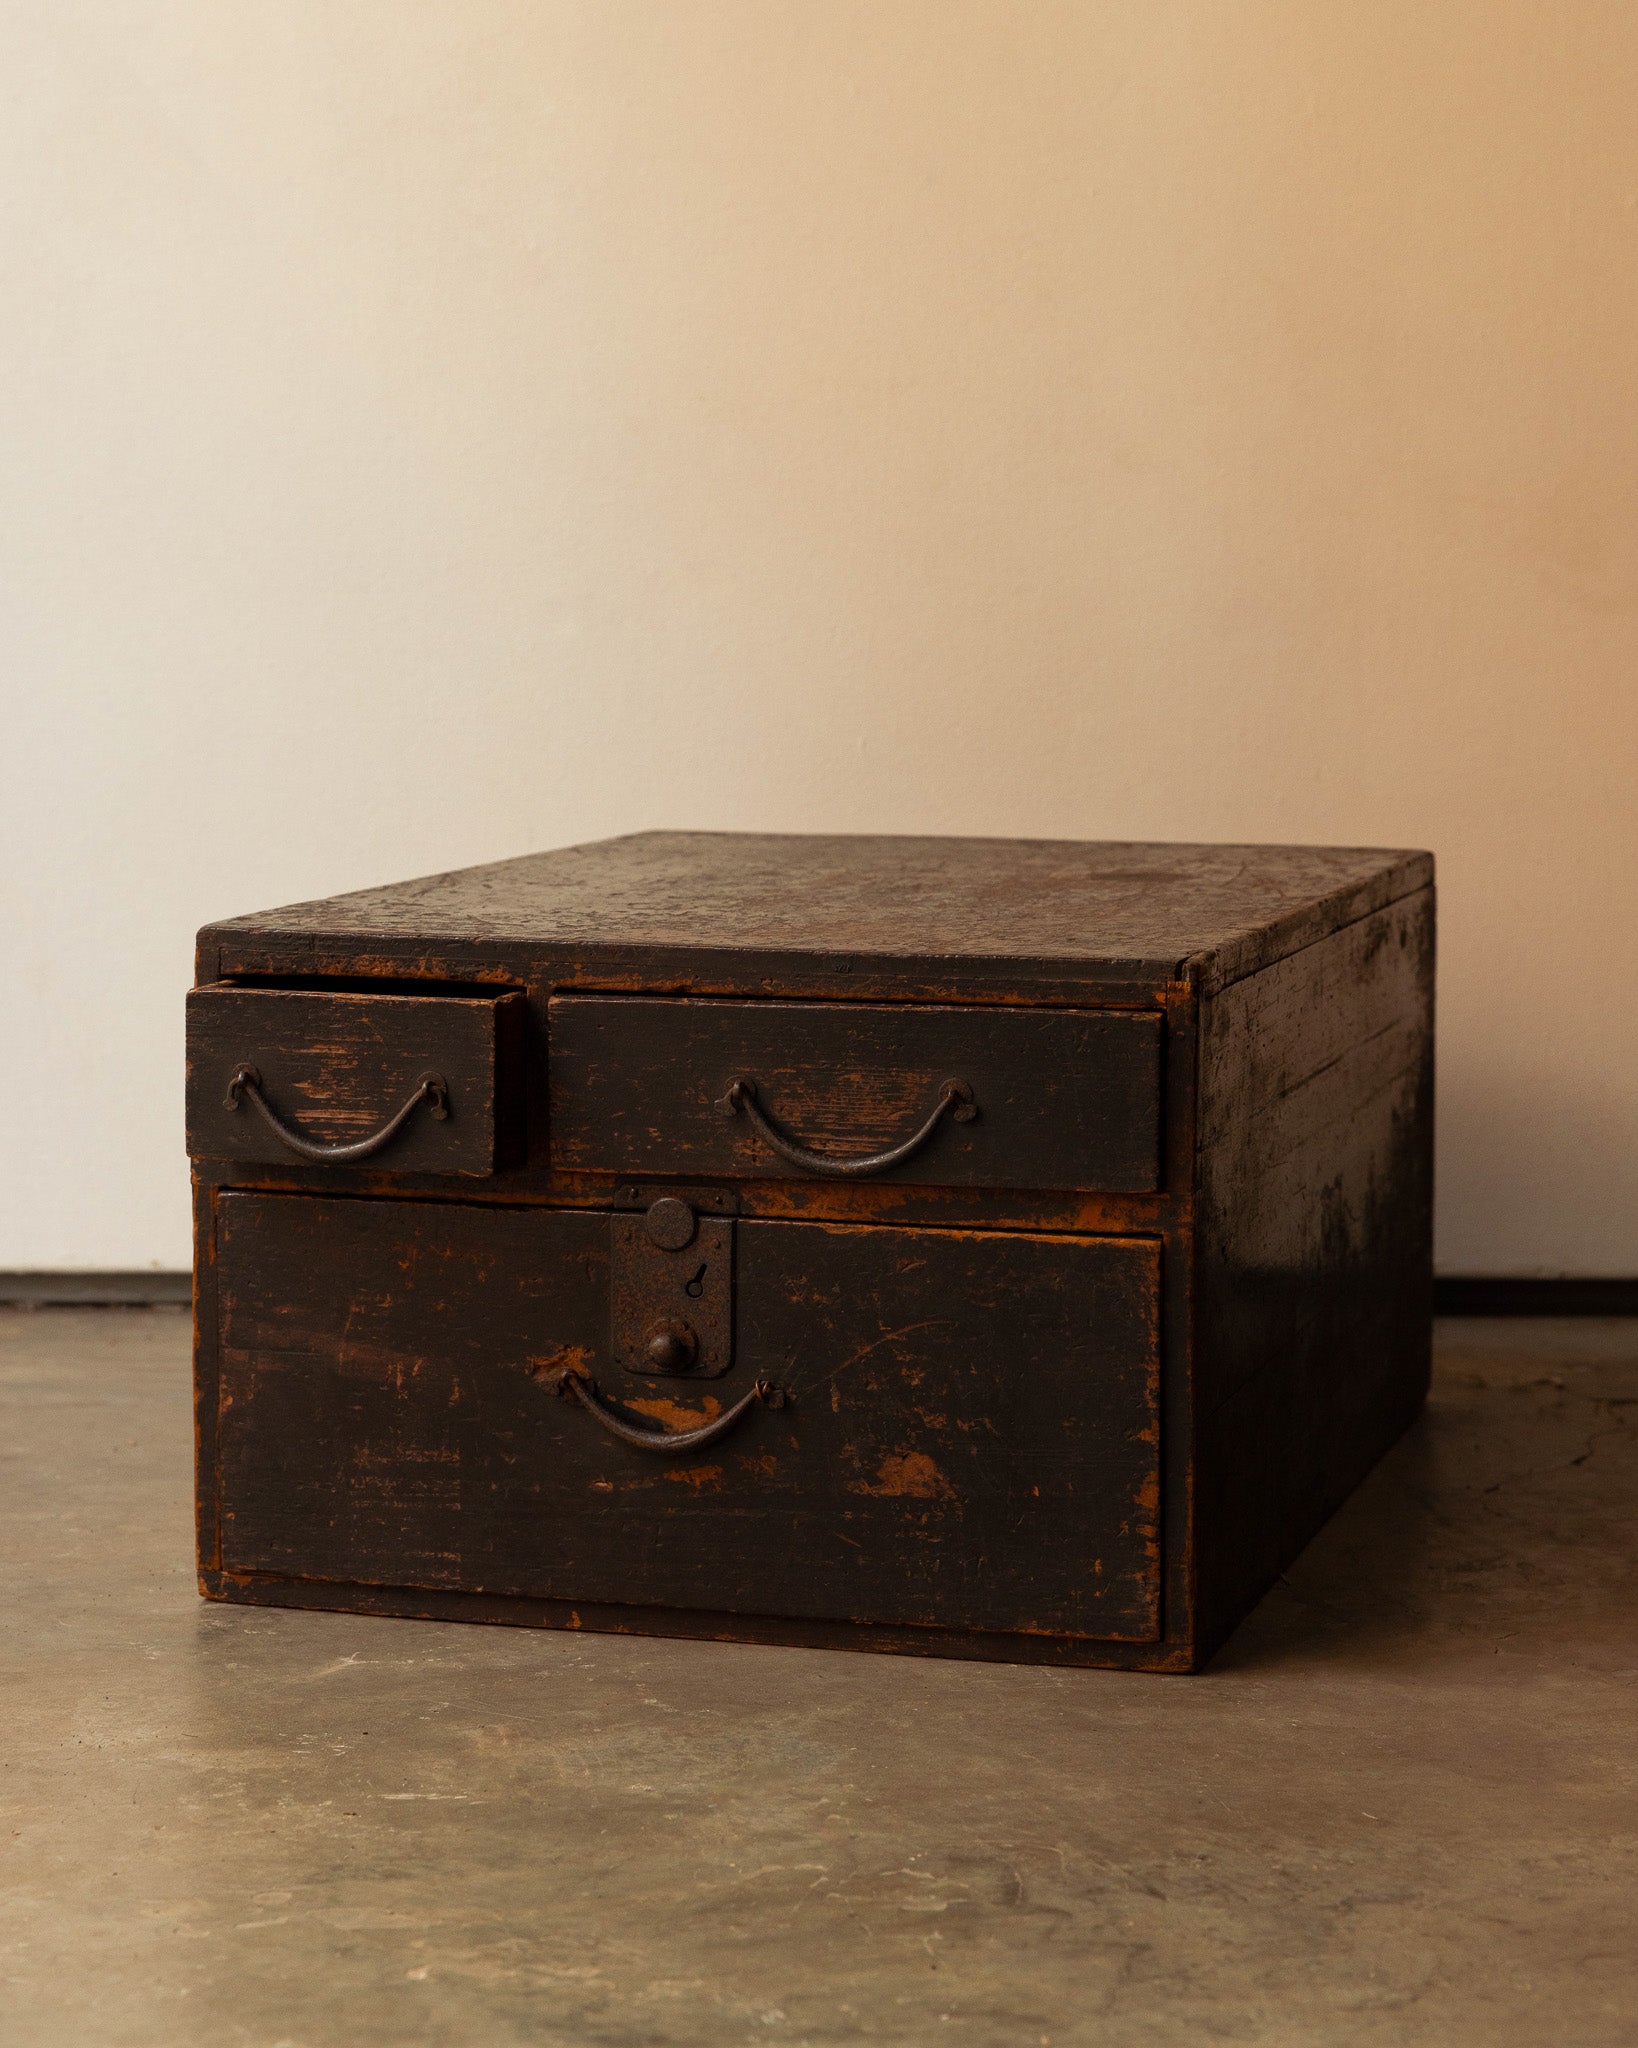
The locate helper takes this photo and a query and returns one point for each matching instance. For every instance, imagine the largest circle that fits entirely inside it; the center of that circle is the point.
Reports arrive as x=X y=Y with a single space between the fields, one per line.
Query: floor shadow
x=1501 y=1518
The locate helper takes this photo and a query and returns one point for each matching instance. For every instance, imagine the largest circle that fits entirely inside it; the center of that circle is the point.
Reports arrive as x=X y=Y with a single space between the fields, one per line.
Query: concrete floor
x=1399 y=1809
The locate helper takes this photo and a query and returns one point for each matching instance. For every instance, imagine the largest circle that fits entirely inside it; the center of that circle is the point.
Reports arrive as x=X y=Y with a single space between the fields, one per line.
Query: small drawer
x=331 y=1077
x=968 y=1097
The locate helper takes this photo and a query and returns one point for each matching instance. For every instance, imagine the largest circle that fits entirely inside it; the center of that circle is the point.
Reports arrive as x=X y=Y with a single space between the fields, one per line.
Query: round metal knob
x=670 y=1224
x=672 y=1347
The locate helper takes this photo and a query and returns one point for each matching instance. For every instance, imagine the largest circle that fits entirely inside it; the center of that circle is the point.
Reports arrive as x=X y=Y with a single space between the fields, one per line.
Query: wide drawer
x=401 y=1083
x=971 y=1437
x=698 y=1087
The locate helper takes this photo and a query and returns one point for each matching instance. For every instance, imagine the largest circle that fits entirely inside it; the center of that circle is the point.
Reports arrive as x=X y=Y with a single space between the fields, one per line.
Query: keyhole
x=696 y=1287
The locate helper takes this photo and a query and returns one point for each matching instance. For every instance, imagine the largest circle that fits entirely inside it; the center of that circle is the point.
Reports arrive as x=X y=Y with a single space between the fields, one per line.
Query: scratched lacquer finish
x=976 y=1248
x=387 y=1415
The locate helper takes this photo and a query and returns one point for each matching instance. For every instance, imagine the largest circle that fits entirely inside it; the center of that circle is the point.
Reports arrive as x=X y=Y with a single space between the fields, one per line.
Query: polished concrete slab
x=1399 y=1809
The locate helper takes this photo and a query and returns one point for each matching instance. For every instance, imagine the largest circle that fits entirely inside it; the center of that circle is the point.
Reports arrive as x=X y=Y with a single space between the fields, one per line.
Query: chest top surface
x=1210 y=912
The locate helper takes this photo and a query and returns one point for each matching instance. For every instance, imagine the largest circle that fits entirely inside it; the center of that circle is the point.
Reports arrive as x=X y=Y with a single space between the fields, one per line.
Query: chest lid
x=1129 y=909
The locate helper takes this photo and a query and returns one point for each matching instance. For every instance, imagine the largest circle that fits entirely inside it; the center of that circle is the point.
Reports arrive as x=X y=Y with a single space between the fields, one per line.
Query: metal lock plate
x=672 y=1292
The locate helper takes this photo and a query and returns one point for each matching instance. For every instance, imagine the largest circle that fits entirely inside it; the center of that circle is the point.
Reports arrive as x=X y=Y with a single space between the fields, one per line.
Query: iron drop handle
x=575 y=1386
x=955 y=1101
x=246 y=1085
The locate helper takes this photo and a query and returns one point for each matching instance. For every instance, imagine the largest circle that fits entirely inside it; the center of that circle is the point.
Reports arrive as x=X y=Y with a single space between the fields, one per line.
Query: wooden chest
x=971 y=1247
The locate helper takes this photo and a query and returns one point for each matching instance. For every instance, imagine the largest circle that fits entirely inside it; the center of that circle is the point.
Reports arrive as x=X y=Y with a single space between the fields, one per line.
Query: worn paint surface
x=911 y=1475
x=844 y=899
x=335 y=1064
x=1180 y=939
x=1064 y=1098
x=383 y=1418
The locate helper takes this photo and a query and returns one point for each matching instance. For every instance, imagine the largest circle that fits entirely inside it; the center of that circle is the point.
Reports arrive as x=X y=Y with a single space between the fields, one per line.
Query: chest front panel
x=970 y=1435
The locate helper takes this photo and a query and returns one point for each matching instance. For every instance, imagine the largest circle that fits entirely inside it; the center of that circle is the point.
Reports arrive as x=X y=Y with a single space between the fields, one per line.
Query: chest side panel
x=1313 y=1245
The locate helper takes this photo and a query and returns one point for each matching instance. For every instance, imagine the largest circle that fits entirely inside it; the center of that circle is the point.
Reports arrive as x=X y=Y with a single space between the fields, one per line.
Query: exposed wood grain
x=972 y=1440
x=1194 y=1373
x=336 y=1063
x=1136 y=908
x=1313 y=1271
x=1066 y=1098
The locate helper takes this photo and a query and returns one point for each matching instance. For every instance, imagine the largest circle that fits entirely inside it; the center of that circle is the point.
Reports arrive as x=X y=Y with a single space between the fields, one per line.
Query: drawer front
x=971 y=1436
x=1058 y=1098
x=398 y=1083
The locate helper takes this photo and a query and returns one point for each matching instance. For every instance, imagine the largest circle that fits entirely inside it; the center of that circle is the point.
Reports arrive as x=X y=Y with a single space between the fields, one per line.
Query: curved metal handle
x=576 y=1386
x=246 y=1085
x=955 y=1101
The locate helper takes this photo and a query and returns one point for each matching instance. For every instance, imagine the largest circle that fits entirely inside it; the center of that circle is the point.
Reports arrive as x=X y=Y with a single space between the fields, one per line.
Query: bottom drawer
x=972 y=1439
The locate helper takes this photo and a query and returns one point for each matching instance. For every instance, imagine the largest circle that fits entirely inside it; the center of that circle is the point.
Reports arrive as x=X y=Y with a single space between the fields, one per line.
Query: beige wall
x=435 y=431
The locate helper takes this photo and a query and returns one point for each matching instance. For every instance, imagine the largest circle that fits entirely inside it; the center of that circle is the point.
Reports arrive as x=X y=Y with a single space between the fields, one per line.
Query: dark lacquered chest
x=990 y=1248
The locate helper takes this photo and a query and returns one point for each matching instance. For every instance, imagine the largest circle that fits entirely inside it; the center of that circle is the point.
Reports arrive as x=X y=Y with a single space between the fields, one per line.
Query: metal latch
x=672 y=1291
